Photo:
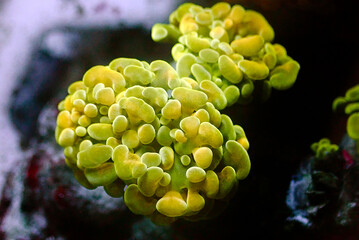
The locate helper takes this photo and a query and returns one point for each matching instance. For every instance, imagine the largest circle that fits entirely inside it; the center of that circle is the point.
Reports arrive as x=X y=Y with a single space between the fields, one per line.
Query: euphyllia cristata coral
x=153 y=133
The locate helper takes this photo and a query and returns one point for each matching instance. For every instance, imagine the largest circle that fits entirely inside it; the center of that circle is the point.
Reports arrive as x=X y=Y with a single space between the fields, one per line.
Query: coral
x=349 y=104
x=154 y=134
x=229 y=46
x=173 y=151
x=323 y=148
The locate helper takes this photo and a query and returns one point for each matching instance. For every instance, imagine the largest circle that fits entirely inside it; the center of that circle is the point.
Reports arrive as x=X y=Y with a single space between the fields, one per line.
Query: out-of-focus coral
x=323 y=148
x=349 y=104
x=326 y=173
x=140 y=125
x=230 y=46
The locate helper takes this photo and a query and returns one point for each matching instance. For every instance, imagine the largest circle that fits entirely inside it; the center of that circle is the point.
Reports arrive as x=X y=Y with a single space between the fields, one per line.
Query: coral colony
x=154 y=134
x=349 y=104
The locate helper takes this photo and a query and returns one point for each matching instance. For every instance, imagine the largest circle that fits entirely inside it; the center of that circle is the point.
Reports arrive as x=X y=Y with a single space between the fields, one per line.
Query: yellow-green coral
x=227 y=45
x=323 y=148
x=349 y=104
x=171 y=146
x=153 y=133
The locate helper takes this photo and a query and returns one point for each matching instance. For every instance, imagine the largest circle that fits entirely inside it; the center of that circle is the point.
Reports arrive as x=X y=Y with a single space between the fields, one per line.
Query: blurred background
x=46 y=45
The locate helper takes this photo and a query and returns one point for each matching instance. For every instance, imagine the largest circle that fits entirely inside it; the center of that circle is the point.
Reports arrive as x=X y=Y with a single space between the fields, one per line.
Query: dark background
x=323 y=37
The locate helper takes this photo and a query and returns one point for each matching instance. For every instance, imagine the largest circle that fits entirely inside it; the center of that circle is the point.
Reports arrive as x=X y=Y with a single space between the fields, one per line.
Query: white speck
x=301 y=219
